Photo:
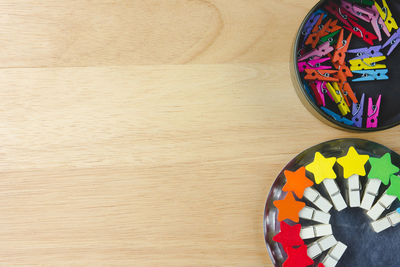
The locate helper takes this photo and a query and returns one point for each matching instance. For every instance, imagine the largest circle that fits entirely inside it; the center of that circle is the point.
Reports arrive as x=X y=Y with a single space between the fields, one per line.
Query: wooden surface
x=147 y=133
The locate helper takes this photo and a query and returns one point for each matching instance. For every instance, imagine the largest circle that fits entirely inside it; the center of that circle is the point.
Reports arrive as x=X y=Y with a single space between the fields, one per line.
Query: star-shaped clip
x=382 y=168
x=297 y=182
x=394 y=188
x=289 y=236
x=289 y=208
x=353 y=163
x=297 y=257
x=322 y=168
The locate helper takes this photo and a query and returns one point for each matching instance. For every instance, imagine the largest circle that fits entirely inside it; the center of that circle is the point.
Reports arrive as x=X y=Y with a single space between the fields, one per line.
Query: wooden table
x=147 y=133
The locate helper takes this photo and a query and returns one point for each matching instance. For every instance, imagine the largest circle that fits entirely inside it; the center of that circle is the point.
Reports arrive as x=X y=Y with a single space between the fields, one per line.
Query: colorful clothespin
x=393 y=42
x=357 y=112
x=333 y=8
x=369 y=15
x=308 y=91
x=321 y=86
x=319 y=52
x=329 y=38
x=361 y=32
x=338 y=98
x=321 y=31
x=373 y=112
x=371 y=75
x=312 y=20
x=367 y=63
x=363 y=2
x=337 y=117
x=319 y=95
x=345 y=88
x=387 y=16
x=341 y=48
x=321 y=75
x=313 y=64
x=350 y=23
x=314 y=33
x=366 y=52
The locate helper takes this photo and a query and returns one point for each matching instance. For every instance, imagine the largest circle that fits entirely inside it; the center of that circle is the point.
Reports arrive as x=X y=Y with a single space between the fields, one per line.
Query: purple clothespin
x=318 y=52
x=314 y=64
x=357 y=11
x=393 y=42
x=373 y=51
x=357 y=112
x=373 y=112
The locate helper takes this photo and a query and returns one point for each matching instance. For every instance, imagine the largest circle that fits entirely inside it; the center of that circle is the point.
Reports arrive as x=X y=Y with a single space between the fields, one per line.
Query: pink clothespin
x=373 y=112
x=321 y=86
x=318 y=52
x=314 y=64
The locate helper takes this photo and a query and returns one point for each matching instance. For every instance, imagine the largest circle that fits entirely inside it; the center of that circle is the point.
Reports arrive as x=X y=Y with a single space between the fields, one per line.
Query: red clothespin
x=326 y=29
x=342 y=14
x=319 y=96
x=321 y=75
x=341 y=48
x=350 y=23
x=361 y=32
x=321 y=265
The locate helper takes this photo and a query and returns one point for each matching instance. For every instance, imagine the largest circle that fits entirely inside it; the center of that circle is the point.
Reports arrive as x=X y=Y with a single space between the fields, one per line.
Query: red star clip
x=297 y=257
x=289 y=236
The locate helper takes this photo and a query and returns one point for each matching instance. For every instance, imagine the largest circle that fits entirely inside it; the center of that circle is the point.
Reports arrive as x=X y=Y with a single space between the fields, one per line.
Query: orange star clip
x=297 y=182
x=289 y=208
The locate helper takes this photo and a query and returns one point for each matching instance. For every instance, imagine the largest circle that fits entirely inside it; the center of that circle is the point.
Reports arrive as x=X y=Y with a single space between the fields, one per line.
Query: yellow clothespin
x=387 y=16
x=338 y=97
x=367 y=63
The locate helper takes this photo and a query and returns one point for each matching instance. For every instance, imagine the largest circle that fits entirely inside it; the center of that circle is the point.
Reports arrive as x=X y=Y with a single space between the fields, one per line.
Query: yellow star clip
x=322 y=168
x=353 y=163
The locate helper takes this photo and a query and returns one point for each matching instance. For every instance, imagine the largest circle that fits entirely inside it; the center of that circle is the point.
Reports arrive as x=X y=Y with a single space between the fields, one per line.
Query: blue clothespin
x=398 y=210
x=337 y=117
x=393 y=42
x=371 y=75
x=308 y=91
x=312 y=20
x=373 y=51
x=357 y=112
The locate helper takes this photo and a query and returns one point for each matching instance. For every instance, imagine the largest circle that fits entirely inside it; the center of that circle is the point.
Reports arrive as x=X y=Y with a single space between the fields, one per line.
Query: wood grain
x=113 y=153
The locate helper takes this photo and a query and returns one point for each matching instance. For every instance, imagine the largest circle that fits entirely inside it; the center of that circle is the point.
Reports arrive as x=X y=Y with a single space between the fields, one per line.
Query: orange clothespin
x=322 y=31
x=341 y=48
x=345 y=88
x=314 y=33
x=321 y=75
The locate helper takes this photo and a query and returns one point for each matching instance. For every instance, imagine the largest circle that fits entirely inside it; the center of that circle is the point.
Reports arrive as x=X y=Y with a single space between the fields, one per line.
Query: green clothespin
x=363 y=2
x=330 y=38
